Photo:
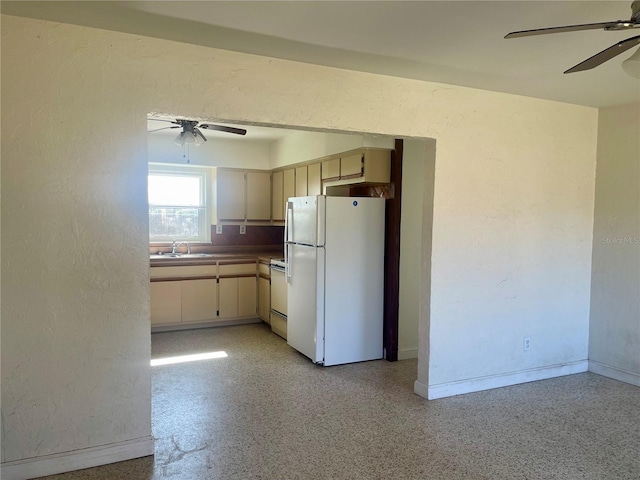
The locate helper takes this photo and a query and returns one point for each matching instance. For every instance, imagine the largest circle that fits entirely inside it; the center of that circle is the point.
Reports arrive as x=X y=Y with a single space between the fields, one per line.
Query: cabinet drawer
x=237 y=269
x=184 y=271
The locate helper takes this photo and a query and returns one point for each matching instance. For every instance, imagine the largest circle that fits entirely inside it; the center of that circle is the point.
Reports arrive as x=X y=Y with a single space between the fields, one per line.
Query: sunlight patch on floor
x=188 y=358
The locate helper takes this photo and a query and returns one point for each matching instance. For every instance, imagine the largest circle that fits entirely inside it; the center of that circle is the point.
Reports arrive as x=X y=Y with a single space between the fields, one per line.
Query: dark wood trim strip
x=392 y=257
x=262 y=275
x=330 y=179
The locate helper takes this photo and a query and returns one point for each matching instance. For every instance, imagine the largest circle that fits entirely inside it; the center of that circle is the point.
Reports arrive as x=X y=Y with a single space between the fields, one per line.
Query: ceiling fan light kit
x=632 y=65
x=606 y=54
x=188 y=138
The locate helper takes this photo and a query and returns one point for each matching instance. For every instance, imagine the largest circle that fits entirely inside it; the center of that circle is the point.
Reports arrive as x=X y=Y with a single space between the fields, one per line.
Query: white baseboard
x=616 y=373
x=442 y=390
x=407 y=353
x=421 y=389
x=77 y=459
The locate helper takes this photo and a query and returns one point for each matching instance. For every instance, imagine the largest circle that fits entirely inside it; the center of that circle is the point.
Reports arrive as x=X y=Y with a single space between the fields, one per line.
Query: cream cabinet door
x=301 y=182
x=228 y=298
x=264 y=299
x=166 y=299
x=289 y=189
x=331 y=169
x=277 y=199
x=351 y=166
x=314 y=183
x=247 y=297
x=230 y=194
x=258 y=196
x=199 y=300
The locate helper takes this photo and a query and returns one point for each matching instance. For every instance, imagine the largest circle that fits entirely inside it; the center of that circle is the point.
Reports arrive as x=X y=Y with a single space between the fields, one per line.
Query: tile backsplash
x=256 y=235
x=256 y=238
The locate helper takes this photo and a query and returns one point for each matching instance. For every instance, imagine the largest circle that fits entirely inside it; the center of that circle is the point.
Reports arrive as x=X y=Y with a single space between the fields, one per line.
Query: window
x=178 y=204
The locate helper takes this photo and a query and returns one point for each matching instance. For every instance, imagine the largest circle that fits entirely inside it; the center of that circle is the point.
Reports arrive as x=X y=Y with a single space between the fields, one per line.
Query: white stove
x=278 y=297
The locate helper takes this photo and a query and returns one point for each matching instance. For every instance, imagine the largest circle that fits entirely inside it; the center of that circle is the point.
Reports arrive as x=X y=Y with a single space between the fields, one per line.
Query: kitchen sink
x=169 y=256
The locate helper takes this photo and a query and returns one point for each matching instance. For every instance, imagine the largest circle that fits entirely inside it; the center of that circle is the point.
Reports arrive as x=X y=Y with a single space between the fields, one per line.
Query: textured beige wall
x=511 y=235
x=614 y=340
x=418 y=158
x=75 y=301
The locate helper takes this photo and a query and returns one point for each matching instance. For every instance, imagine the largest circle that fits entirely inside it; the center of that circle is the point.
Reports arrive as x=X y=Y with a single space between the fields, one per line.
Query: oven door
x=278 y=290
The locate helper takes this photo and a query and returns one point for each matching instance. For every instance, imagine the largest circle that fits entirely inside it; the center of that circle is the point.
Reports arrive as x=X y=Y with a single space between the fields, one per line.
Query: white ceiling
x=455 y=42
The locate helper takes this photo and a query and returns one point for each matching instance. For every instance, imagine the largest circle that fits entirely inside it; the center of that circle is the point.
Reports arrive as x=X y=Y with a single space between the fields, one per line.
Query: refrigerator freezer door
x=305 y=220
x=354 y=269
x=305 y=301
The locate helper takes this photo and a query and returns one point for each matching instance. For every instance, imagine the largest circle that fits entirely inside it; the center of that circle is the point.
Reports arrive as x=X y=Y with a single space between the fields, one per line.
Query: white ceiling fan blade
x=606 y=54
x=566 y=28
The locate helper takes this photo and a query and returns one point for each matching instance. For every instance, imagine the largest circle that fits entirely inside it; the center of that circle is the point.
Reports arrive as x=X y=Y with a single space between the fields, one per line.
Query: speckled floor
x=265 y=412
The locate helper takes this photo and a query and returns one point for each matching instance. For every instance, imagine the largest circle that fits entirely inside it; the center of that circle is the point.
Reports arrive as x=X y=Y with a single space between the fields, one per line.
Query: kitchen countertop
x=212 y=258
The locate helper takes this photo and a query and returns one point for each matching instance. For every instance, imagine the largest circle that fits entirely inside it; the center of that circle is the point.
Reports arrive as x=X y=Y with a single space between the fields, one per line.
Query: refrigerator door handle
x=288 y=233
x=288 y=222
x=287 y=265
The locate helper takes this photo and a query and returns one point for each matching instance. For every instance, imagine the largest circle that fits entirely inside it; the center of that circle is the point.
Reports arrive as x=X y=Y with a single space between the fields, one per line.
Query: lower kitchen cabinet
x=264 y=299
x=191 y=295
x=228 y=297
x=166 y=303
x=247 y=301
x=199 y=300
x=237 y=297
x=183 y=301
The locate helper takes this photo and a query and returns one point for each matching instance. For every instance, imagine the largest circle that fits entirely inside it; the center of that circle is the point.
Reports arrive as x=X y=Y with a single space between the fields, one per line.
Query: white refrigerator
x=334 y=261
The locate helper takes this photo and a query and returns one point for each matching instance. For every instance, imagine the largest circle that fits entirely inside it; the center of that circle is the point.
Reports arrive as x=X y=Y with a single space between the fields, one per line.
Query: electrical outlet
x=526 y=344
x=218 y=229
x=243 y=229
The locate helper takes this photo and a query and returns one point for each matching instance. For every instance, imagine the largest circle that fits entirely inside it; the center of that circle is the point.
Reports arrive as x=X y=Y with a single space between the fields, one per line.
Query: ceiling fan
x=604 y=55
x=191 y=133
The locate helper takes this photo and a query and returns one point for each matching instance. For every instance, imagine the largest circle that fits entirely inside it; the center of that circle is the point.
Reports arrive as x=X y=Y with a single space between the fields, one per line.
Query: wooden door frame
x=392 y=256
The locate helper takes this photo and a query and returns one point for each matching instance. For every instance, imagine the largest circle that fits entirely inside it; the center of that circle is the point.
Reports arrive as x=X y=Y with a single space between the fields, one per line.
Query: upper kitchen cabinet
x=277 y=197
x=352 y=166
x=243 y=195
x=289 y=189
x=368 y=165
x=331 y=169
x=314 y=179
x=230 y=190
x=258 y=196
x=301 y=181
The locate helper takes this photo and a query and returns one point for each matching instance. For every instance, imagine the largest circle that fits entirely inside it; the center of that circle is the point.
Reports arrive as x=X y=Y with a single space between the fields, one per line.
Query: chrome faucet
x=175 y=246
